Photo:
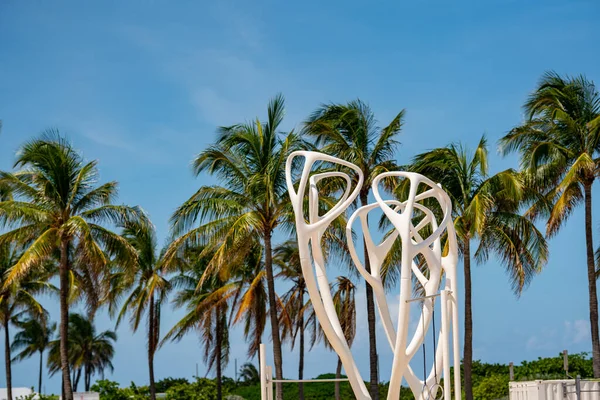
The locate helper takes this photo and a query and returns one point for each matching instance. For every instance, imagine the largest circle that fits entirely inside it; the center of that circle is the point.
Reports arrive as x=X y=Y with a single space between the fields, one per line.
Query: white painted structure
x=408 y=218
x=555 y=390
x=85 y=396
x=16 y=392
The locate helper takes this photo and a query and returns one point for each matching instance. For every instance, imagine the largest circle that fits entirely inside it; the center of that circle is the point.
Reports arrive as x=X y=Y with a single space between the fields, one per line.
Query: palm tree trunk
x=374 y=384
x=87 y=379
x=273 y=314
x=301 y=358
x=64 y=319
x=468 y=349
x=151 y=347
x=591 y=272
x=7 y=357
x=76 y=380
x=338 y=375
x=219 y=343
x=41 y=371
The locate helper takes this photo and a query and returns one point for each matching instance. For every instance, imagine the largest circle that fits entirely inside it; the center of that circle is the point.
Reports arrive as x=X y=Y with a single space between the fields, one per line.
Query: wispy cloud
x=550 y=338
x=577 y=331
x=104 y=133
x=153 y=148
x=226 y=80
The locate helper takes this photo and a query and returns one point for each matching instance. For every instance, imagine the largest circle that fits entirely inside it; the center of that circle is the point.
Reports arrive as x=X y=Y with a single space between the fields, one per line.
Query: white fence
x=16 y=392
x=569 y=389
x=85 y=396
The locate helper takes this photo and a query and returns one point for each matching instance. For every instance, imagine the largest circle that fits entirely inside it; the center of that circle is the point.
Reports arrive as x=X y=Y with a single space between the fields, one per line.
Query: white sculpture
x=440 y=270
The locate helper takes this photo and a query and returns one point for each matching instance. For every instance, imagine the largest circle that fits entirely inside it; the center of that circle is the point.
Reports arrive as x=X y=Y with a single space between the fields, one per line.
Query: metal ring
x=430 y=390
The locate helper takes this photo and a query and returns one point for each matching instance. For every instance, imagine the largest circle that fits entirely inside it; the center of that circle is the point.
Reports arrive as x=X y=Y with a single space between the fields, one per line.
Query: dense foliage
x=490 y=382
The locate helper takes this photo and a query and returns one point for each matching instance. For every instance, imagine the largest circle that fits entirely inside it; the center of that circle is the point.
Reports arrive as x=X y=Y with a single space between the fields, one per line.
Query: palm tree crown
x=207 y=304
x=58 y=211
x=89 y=352
x=17 y=299
x=33 y=338
x=350 y=132
x=149 y=288
x=249 y=159
x=293 y=319
x=215 y=303
x=559 y=147
x=485 y=208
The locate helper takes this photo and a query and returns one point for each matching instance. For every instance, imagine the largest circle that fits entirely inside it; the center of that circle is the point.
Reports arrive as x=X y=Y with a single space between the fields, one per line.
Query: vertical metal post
x=445 y=344
x=270 y=383
x=511 y=371
x=566 y=362
x=578 y=387
x=455 y=346
x=263 y=372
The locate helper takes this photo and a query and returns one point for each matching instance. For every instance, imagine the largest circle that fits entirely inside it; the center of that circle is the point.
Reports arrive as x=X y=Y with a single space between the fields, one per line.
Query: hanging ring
x=433 y=392
x=438 y=392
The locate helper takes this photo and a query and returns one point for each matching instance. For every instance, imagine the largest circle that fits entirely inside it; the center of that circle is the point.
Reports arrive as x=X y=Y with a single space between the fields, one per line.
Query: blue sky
x=141 y=86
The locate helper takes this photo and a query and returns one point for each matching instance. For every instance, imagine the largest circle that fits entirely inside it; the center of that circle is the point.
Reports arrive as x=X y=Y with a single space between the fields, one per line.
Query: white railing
x=266 y=377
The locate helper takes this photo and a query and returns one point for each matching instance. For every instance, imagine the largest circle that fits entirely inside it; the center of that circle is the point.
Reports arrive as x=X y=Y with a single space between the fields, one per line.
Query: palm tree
x=344 y=299
x=150 y=288
x=207 y=304
x=485 y=208
x=33 y=338
x=287 y=259
x=59 y=209
x=350 y=132
x=249 y=374
x=252 y=202
x=212 y=302
x=250 y=303
x=17 y=299
x=89 y=352
x=559 y=147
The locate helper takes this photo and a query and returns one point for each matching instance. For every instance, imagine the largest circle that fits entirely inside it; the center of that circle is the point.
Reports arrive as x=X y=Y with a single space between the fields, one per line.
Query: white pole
x=263 y=372
x=270 y=382
x=456 y=348
x=445 y=344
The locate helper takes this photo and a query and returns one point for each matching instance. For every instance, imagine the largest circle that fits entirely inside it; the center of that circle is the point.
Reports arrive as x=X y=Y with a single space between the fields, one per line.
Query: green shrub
x=202 y=389
x=491 y=387
x=164 y=384
x=109 y=390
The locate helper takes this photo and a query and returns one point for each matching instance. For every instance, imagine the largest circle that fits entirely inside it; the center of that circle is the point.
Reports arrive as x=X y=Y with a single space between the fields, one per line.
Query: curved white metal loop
x=423 y=260
x=399 y=219
x=309 y=241
x=310 y=158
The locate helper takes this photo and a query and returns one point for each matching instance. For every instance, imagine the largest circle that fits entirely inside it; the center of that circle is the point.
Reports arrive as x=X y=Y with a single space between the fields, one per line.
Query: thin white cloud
x=227 y=80
x=105 y=133
x=577 y=331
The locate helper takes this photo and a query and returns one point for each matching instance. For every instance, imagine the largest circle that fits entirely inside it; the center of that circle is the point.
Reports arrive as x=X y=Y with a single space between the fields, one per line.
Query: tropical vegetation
x=56 y=215
x=559 y=149
x=350 y=132
x=89 y=352
x=231 y=258
x=148 y=289
x=490 y=382
x=486 y=209
x=33 y=338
